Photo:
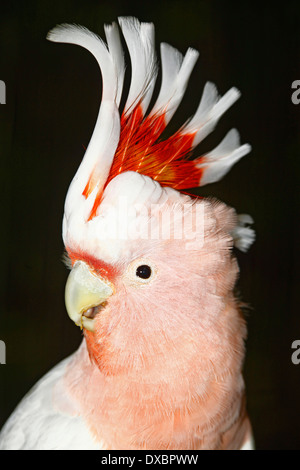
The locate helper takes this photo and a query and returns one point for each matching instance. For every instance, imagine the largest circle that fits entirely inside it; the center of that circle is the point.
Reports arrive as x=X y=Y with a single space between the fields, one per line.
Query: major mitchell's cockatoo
x=152 y=271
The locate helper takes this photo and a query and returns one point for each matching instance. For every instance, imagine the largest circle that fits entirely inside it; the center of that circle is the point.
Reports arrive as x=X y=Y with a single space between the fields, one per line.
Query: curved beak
x=85 y=295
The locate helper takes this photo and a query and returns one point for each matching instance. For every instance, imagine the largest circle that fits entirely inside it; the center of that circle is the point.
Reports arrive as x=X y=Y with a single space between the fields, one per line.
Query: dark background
x=53 y=93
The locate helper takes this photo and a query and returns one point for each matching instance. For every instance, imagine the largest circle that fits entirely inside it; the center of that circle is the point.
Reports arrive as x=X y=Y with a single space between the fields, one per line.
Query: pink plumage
x=167 y=375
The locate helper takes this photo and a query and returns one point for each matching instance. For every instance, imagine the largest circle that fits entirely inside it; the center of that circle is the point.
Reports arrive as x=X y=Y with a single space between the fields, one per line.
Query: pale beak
x=85 y=295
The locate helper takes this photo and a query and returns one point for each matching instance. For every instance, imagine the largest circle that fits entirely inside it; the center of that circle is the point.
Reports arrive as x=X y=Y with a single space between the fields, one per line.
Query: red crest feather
x=141 y=150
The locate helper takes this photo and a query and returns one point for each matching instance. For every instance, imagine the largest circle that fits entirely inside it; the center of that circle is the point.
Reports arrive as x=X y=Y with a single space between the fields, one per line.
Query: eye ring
x=141 y=271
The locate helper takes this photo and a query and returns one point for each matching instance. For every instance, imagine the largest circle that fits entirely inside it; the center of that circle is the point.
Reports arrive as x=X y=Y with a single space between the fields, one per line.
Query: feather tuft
x=218 y=162
x=140 y=41
x=243 y=235
x=132 y=141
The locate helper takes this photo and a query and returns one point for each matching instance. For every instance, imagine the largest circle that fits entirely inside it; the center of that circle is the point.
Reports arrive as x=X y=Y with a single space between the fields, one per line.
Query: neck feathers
x=198 y=406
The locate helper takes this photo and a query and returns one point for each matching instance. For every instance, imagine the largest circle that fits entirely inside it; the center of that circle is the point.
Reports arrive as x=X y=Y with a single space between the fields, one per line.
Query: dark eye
x=143 y=271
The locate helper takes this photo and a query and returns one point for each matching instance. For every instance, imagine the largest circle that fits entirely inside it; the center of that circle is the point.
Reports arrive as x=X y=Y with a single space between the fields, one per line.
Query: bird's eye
x=144 y=271
x=140 y=272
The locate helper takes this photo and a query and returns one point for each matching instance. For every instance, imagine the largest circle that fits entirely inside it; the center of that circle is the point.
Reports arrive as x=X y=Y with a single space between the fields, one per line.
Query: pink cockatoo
x=152 y=272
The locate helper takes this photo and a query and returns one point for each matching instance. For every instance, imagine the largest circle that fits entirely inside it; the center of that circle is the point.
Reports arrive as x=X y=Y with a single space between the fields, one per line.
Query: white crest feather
x=102 y=146
x=139 y=38
x=210 y=109
x=176 y=71
x=115 y=48
x=74 y=34
x=219 y=161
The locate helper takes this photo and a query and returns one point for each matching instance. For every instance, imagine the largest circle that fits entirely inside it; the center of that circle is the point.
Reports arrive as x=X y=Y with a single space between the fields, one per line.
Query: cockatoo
x=152 y=271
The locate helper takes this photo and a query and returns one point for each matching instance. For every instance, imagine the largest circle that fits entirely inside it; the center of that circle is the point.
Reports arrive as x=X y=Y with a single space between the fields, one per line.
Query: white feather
x=176 y=72
x=115 y=48
x=104 y=141
x=209 y=111
x=219 y=161
x=37 y=424
x=249 y=444
x=242 y=234
x=74 y=34
x=139 y=38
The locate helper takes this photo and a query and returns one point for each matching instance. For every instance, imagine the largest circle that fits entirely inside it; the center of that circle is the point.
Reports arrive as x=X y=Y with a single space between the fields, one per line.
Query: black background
x=53 y=94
